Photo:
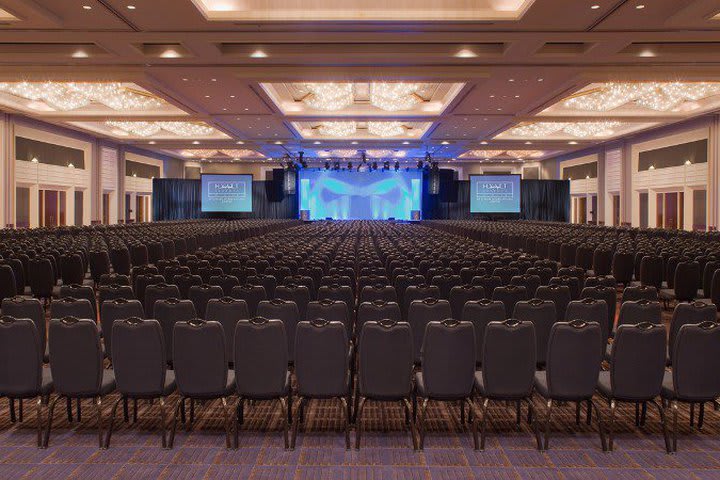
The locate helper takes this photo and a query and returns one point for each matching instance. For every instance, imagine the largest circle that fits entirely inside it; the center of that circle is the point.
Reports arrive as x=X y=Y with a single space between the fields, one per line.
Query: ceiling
x=528 y=79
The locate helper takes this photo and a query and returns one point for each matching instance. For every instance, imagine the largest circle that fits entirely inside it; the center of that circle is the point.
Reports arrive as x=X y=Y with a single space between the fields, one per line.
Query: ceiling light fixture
x=393 y=97
x=329 y=96
x=595 y=7
x=131 y=7
x=337 y=129
x=386 y=129
x=576 y=129
x=258 y=54
x=465 y=53
x=87 y=7
x=659 y=96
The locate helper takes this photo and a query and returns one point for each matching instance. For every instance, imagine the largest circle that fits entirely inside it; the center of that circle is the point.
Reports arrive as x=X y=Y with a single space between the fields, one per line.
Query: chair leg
x=135 y=410
x=68 y=402
x=11 y=402
x=473 y=423
x=240 y=411
x=286 y=424
x=346 y=414
x=126 y=411
x=358 y=420
x=637 y=414
x=611 y=424
x=600 y=422
x=577 y=413
x=483 y=422
x=663 y=420
x=293 y=438
x=643 y=414
x=98 y=406
x=79 y=410
x=20 y=409
x=408 y=408
x=180 y=403
x=462 y=412
x=547 y=424
x=701 y=416
x=674 y=407
x=163 y=422
x=517 y=414
x=588 y=418
x=46 y=442
x=112 y=421
x=692 y=415
x=421 y=423
x=38 y=410
x=226 y=422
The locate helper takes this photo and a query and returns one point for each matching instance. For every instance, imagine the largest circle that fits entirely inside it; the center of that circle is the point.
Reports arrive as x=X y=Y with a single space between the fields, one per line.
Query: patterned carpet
x=386 y=451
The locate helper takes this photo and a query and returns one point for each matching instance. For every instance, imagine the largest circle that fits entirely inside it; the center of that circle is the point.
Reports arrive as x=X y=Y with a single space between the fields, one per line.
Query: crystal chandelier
x=337 y=129
x=386 y=129
x=393 y=97
x=187 y=129
x=379 y=153
x=72 y=96
x=329 y=96
x=576 y=129
x=240 y=153
x=524 y=153
x=483 y=153
x=141 y=129
x=659 y=96
x=199 y=153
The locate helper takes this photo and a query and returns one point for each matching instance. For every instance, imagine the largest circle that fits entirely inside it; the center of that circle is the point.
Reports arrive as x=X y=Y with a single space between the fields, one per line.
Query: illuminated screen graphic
x=350 y=195
x=495 y=193
x=226 y=193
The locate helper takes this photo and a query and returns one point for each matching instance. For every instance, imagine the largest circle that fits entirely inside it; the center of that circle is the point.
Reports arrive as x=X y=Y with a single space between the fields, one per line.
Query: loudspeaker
x=415 y=215
x=305 y=215
x=434 y=182
x=289 y=181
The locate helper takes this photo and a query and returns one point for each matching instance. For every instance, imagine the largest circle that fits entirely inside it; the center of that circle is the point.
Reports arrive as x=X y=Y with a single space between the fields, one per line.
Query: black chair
x=8 y=287
x=73 y=307
x=571 y=375
x=623 y=266
x=251 y=294
x=330 y=310
x=448 y=358
x=591 y=310
x=337 y=292
x=261 y=367
x=168 y=312
x=480 y=313
x=508 y=368
x=268 y=282
x=460 y=295
x=140 y=367
x=77 y=367
x=573 y=283
x=418 y=292
x=285 y=311
x=80 y=291
x=120 y=259
x=25 y=307
x=385 y=360
x=201 y=369
x=370 y=293
x=156 y=292
x=420 y=314
x=376 y=311
x=200 y=295
x=488 y=282
x=21 y=352
x=118 y=309
x=99 y=262
x=446 y=283
x=688 y=313
x=651 y=271
x=530 y=282
x=41 y=277
x=695 y=377
x=637 y=366
x=639 y=292
x=559 y=295
x=687 y=277
x=509 y=295
x=609 y=296
x=227 y=311
x=299 y=294
x=322 y=368
x=185 y=281
x=225 y=281
x=72 y=269
x=542 y=314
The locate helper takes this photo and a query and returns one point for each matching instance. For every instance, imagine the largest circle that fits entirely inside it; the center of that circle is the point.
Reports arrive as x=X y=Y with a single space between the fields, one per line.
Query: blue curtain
x=178 y=199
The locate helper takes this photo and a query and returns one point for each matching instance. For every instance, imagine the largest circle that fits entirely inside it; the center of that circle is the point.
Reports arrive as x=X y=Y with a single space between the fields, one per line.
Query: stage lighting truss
x=659 y=96
x=67 y=96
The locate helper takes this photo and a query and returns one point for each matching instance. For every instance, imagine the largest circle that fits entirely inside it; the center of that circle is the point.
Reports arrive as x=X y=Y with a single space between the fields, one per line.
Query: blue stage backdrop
x=226 y=193
x=494 y=193
x=350 y=195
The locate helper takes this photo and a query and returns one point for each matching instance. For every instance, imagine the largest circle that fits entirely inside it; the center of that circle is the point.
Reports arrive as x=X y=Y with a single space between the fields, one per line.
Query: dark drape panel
x=547 y=200
x=176 y=199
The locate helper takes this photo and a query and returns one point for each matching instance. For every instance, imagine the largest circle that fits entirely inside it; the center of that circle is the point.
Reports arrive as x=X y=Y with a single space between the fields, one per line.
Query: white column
x=34 y=205
x=70 y=206
x=7 y=170
x=652 y=209
x=629 y=200
x=133 y=206
x=713 y=196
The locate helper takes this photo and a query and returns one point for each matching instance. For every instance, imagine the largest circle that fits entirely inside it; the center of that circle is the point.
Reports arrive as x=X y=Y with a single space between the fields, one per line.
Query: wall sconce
x=688 y=162
x=70 y=165
x=34 y=160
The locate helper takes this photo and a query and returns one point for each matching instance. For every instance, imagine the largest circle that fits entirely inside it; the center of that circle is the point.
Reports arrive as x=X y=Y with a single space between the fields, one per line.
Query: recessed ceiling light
x=465 y=53
x=87 y=7
x=232 y=96
x=528 y=143
x=406 y=142
x=195 y=142
x=213 y=79
x=80 y=54
x=540 y=79
x=185 y=79
x=278 y=142
x=258 y=54
x=152 y=142
x=131 y=7
x=572 y=142
x=316 y=142
x=640 y=7
x=483 y=142
x=246 y=109
x=353 y=143
x=444 y=142
x=207 y=96
x=595 y=7
x=517 y=96
x=499 y=109
x=240 y=142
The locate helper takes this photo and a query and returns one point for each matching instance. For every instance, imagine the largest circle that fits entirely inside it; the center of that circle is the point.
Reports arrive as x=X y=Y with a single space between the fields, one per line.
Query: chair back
x=321 y=359
x=385 y=360
x=509 y=359
x=199 y=361
x=637 y=361
x=118 y=309
x=76 y=359
x=574 y=354
x=448 y=357
x=696 y=361
x=139 y=361
x=21 y=354
x=228 y=312
x=689 y=313
x=261 y=358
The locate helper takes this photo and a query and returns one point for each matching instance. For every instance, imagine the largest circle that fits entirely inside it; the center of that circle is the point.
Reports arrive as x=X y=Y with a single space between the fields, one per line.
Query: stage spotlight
x=420 y=164
x=337 y=166
x=364 y=157
x=386 y=166
x=327 y=165
x=349 y=165
x=374 y=165
x=397 y=166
